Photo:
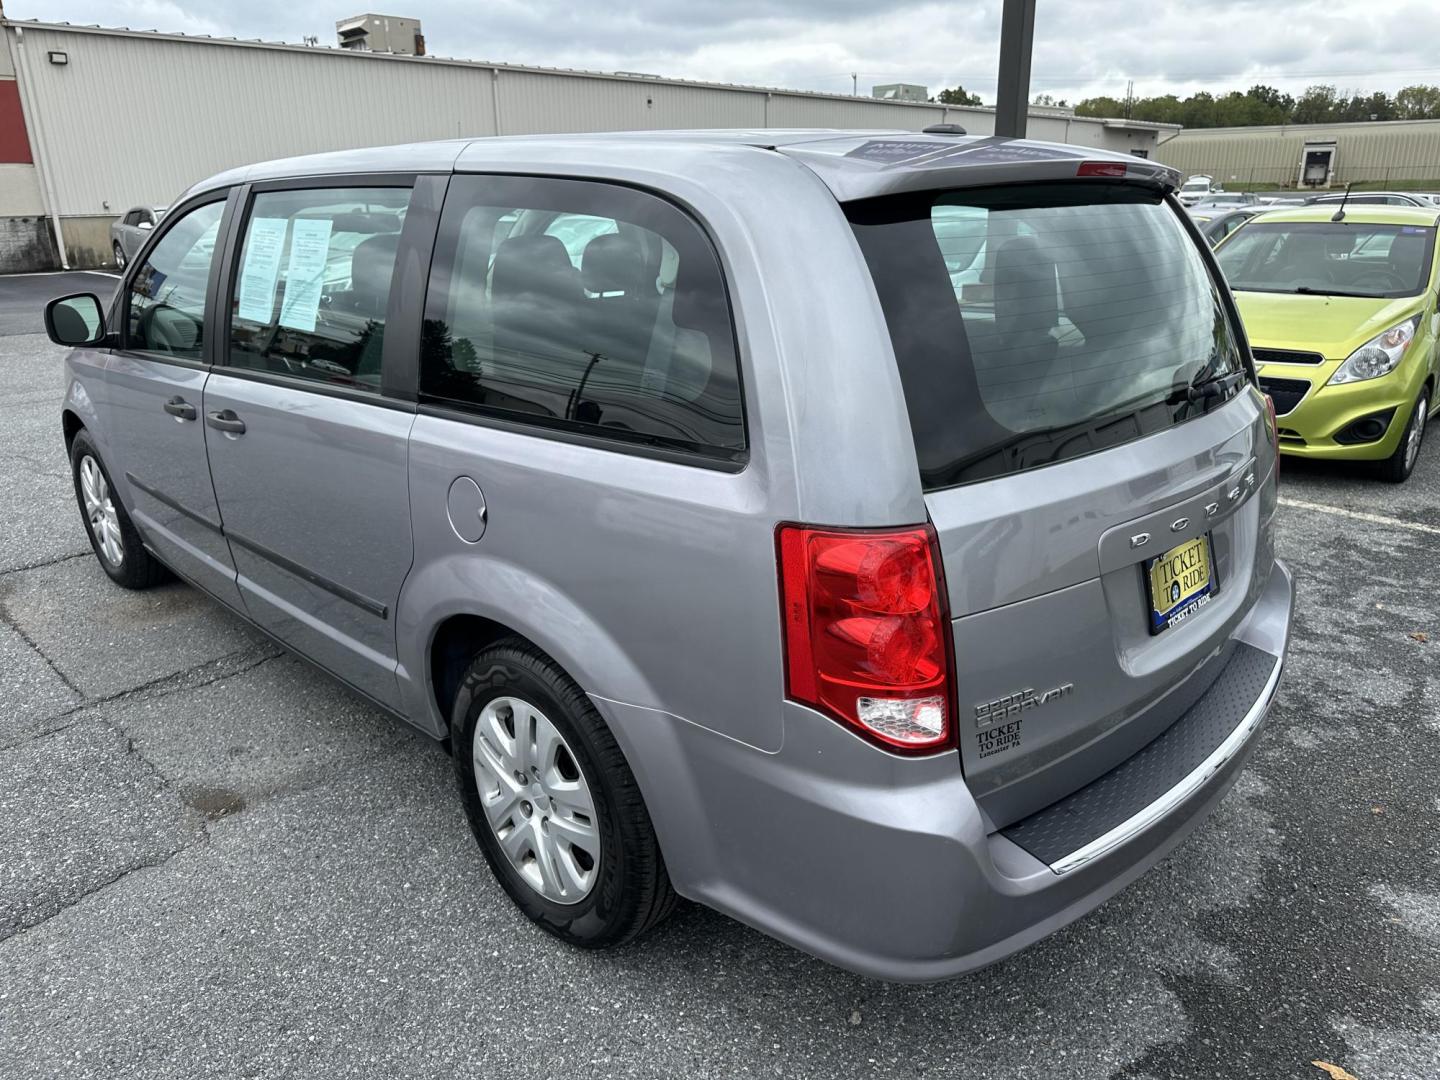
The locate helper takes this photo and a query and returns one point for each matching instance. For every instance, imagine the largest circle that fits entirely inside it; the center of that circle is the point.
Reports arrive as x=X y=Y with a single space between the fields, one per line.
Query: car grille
x=1286 y=393
x=1286 y=356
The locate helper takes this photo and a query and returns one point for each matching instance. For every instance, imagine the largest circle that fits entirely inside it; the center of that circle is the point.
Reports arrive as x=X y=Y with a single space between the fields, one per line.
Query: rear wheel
x=119 y=256
x=112 y=535
x=1399 y=465
x=553 y=803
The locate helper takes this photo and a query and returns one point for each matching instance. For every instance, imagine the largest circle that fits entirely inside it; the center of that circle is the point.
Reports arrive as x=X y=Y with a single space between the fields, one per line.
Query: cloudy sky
x=1082 y=47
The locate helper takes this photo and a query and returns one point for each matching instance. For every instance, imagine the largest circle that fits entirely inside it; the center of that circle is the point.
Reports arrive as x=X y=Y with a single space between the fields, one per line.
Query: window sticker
x=262 y=266
x=305 y=273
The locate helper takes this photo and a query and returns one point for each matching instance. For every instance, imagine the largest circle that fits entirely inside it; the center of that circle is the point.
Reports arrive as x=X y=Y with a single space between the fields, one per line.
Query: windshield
x=1337 y=258
x=1040 y=322
x=1196 y=185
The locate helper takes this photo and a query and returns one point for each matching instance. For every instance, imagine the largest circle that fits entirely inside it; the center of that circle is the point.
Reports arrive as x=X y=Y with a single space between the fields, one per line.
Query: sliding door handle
x=225 y=420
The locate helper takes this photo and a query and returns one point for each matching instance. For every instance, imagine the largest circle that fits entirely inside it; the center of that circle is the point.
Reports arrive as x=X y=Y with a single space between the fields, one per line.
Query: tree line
x=1257 y=106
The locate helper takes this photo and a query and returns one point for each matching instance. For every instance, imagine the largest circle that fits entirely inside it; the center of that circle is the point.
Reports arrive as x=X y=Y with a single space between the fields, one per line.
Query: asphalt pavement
x=23 y=297
x=214 y=863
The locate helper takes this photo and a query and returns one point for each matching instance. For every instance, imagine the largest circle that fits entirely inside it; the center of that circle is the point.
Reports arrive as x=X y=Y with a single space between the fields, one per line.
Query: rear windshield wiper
x=1206 y=386
x=1306 y=290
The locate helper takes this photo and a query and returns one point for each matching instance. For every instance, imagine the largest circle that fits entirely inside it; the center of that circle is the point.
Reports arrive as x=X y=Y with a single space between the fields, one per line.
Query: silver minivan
x=868 y=535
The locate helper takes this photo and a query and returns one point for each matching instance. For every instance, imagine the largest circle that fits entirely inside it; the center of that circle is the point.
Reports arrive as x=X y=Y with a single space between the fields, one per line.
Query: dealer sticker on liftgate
x=1180 y=582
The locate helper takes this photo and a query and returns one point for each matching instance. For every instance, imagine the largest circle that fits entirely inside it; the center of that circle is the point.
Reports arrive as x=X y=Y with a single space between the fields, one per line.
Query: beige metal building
x=1397 y=153
x=110 y=119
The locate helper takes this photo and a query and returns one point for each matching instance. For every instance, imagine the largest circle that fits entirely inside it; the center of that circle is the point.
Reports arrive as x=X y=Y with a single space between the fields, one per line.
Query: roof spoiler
x=990 y=162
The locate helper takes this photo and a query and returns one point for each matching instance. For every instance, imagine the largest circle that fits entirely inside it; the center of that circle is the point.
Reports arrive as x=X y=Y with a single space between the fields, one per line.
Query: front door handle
x=178 y=406
x=226 y=420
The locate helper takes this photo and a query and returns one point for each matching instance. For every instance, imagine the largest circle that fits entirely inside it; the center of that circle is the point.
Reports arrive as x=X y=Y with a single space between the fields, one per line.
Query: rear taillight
x=866 y=639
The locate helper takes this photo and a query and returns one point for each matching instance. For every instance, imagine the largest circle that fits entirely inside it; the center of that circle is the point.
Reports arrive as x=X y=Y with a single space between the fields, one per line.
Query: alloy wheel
x=536 y=800
x=100 y=511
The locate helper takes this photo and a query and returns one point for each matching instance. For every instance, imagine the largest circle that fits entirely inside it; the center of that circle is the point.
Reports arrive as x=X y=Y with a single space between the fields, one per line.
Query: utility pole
x=1017 y=41
x=854 y=84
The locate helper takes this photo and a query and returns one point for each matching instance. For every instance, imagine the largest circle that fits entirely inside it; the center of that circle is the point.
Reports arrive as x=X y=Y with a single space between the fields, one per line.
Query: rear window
x=1334 y=258
x=1037 y=323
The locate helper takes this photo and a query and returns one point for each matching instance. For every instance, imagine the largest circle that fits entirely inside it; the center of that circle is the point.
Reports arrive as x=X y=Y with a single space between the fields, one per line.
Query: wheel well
x=72 y=426
x=454 y=645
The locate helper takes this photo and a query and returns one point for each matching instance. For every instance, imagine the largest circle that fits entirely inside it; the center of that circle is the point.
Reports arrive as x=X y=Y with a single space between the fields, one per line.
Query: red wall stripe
x=14 y=143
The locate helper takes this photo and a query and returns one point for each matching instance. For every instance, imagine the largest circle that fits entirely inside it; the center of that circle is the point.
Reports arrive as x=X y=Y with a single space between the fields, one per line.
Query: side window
x=585 y=306
x=132 y=218
x=166 y=297
x=313 y=282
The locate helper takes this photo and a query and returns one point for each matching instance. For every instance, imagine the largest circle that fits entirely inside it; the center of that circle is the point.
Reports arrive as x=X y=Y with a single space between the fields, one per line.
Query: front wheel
x=112 y=535
x=1399 y=465
x=119 y=256
x=553 y=803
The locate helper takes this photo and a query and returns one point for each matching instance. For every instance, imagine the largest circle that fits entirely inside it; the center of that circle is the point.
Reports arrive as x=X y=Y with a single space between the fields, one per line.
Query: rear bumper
x=886 y=866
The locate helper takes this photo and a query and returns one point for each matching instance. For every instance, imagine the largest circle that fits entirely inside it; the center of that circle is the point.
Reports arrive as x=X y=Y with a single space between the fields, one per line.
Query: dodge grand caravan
x=867 y=535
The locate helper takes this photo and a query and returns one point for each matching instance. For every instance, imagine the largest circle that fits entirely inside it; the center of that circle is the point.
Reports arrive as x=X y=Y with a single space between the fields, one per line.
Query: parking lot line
x=1360 y=515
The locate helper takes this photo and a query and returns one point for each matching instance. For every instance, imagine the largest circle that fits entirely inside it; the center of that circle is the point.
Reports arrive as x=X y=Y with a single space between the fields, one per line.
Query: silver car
x=129 y=233
x=866 y=535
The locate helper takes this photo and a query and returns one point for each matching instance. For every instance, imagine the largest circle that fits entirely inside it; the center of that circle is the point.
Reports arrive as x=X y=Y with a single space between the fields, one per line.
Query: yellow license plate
x=1180 y=583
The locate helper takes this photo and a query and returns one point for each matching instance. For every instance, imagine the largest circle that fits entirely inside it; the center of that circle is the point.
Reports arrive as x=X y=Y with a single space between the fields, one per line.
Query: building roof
x=651 y=80
x=1342 y=127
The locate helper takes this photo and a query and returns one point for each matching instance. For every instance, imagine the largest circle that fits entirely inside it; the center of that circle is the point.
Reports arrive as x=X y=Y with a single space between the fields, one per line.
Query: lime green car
x=1340 y=309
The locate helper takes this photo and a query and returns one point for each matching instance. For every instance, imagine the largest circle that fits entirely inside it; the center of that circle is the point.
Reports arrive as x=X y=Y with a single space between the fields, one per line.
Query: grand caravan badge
x=990 y=712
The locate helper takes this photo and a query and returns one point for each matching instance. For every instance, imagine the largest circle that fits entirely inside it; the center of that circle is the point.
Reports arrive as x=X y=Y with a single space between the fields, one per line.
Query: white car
x=1198 y=188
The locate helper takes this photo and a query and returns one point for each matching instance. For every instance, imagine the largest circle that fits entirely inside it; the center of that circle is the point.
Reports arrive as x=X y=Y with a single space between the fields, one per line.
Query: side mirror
x=76 y=320
x=145 y=225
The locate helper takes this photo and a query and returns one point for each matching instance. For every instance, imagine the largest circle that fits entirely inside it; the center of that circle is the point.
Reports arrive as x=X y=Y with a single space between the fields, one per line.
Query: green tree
x=1418 y=103
x=1318 y=105
x=1276 y=106
x=1100 y=106
x=1047 y=99
x=957 y=96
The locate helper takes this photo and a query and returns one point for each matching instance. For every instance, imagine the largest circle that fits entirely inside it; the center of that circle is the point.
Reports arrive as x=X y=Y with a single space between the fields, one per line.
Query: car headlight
x=1378 y=356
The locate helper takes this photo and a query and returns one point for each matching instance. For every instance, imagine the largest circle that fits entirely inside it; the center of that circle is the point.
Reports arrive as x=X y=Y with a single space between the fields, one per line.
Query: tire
x=119 y=256
x=1397 y=468
x=626 y=890
x=112 y=535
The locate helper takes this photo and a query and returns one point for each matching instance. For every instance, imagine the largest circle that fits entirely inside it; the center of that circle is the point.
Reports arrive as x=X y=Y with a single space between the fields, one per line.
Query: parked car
x=1197 y=189
x=1227 y=201
x=1342 y=316
x=1371 y=198
x=1216 y=225
x=903 y=618
x=129 y=234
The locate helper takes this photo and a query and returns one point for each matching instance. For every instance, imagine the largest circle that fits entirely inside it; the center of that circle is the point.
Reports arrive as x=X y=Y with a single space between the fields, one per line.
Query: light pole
x=1017 y=41
x=854 y=84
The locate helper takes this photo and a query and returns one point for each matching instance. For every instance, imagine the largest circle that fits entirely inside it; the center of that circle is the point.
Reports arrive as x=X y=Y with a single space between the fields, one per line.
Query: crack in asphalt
x=45 y=563
x=157 y=688
x=202 y=836
x=19 y=930
x=13 y=624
